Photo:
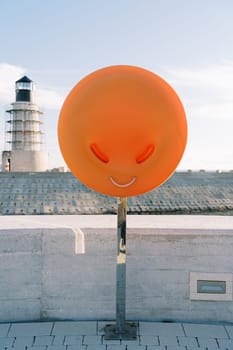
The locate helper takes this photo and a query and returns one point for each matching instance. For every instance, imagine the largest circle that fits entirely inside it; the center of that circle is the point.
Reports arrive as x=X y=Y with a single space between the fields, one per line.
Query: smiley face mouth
x=123 y=185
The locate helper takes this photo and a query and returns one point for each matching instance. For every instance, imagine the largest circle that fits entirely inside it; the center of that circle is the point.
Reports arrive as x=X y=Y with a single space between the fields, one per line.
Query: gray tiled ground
x=187 y=341
x=168 y=339
x=27 y=329
x=21 y=341
x=73 y=340
x=149 y=340
x=203 y=330
x=75 y=328
x=6 y=342
x=86 y=335
x=225 y=344
x=162 y=329
x=210 y=343
x=43 y=340
x=4 y=329
x=229 y=330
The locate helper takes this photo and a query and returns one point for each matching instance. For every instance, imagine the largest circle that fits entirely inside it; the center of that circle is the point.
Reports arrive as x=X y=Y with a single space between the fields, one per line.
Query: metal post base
x=128 y=332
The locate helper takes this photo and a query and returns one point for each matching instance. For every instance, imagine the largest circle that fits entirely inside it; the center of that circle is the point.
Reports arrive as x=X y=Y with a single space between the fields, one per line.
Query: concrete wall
x=64 y=267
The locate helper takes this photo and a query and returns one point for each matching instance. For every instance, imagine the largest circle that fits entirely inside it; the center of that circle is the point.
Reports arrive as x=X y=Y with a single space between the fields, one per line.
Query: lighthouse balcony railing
x=23 y=106
x=39 y=132
x=21 y=120
x=25 y=142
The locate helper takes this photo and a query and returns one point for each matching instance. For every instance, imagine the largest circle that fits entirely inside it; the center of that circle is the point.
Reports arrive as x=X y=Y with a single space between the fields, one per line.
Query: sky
x=188 y=43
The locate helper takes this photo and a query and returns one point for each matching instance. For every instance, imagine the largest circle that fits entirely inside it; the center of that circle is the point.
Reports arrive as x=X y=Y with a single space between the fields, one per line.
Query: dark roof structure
x=24 y=79
x=205 y=193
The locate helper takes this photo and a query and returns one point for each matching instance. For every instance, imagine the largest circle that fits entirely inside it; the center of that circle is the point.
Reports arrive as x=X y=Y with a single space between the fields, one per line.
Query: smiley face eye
x=146 y=154
x=98 y=153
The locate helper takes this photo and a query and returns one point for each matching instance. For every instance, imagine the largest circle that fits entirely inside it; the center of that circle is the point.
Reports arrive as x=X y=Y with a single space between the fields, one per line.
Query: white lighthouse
x=24 y=142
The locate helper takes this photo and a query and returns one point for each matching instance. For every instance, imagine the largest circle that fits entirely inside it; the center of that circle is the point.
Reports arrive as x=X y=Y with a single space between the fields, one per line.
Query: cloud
x=207 y=95
x=47 y=97
x=214 y=76
x=206 y=91
x=215 y=111
x=210 y=83
x=8 y=75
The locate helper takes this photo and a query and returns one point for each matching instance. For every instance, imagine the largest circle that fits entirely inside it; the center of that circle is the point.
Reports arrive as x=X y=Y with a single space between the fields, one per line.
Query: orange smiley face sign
x=122 y=130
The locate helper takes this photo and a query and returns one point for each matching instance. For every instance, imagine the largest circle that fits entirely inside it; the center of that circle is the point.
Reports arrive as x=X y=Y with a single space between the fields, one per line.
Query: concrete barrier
x=63 y=267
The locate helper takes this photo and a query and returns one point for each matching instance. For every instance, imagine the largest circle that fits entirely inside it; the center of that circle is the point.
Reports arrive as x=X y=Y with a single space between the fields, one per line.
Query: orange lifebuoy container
x=122 y=130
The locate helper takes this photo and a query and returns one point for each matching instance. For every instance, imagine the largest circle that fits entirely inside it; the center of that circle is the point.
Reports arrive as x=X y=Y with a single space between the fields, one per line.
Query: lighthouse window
x=24 y=86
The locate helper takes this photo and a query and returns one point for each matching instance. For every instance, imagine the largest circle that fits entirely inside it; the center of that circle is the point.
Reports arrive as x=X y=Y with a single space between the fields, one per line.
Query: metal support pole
x=121 y=265
x=122 y=329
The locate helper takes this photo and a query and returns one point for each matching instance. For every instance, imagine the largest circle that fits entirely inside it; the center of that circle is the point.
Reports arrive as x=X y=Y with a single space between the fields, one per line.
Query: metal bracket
x=128 y=332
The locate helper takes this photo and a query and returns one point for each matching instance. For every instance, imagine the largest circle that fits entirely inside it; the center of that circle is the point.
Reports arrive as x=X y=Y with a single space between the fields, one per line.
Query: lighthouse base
x=18 y=160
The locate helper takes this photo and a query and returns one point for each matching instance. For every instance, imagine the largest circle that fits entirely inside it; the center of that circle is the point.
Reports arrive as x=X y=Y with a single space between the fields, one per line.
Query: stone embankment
x=61 y=193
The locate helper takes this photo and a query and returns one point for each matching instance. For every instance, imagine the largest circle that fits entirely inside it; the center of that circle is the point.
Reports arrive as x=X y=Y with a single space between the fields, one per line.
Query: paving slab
x=58 y=340
x=73 y=340
x=204 y=330
x=43 y=340
x=75 y=328
x=150 y=328
x=24 y=341
x=206 y=342
x=138 y=347
x=187 y=341
x=36 y=328
x=225 y=343
x=111 y=342
x=168 y=340
x=74 y=347
x=229 y=330
x=92 y=339
x=149 y=340
x=4 y=329
x=135 y=342
x=6 y=342
x=195 y=348
x=115 y=347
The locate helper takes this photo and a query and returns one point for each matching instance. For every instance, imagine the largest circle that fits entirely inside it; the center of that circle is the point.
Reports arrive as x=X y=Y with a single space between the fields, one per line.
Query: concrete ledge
x=63 y=267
